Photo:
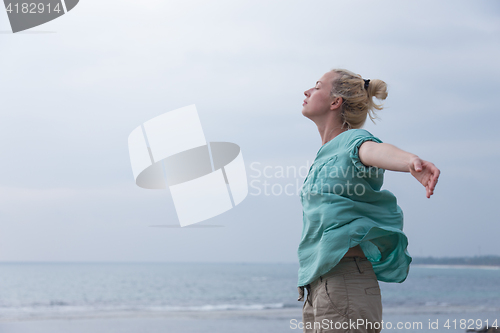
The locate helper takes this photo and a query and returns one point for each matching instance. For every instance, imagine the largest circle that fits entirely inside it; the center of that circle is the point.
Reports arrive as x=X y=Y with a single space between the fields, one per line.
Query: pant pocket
x=365 y=301
x=372 y=291
x=335 y=296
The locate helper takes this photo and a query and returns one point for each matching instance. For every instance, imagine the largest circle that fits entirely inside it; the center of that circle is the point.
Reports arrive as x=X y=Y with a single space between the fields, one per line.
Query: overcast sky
x=74 y=88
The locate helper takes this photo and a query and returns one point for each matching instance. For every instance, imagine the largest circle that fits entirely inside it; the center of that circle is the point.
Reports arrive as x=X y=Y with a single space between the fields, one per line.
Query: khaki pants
x=346 y=299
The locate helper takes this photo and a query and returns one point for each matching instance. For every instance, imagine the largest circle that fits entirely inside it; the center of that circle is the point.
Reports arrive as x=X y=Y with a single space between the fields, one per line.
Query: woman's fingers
x=430 y=187
x=426 y=173
x=433 y=179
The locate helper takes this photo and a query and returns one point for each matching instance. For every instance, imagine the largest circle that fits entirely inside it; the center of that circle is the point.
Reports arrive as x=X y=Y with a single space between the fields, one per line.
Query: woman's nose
x=306 y=93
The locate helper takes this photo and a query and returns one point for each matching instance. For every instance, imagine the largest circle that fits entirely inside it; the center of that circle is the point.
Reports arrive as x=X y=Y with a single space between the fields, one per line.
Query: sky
x=74 y=88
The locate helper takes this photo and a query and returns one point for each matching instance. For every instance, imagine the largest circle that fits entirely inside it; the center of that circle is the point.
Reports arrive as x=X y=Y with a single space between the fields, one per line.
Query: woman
x=352 y=234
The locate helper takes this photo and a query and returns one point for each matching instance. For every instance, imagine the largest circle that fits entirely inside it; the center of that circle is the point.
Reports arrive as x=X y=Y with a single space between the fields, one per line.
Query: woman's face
x=318 y=99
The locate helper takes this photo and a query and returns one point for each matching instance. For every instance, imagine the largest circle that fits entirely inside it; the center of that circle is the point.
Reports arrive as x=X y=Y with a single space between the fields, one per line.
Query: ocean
x=215 y=297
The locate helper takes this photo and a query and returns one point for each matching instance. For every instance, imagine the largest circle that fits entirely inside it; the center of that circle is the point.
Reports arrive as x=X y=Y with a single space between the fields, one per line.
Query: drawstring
x=308 y=294
x=301 y=293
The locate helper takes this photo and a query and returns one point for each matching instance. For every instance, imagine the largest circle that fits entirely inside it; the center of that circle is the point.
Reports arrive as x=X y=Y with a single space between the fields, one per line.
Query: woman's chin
x=306 y=114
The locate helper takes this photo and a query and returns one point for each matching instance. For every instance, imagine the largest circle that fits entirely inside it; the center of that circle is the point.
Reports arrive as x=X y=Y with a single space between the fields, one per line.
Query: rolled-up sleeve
x=354 y=145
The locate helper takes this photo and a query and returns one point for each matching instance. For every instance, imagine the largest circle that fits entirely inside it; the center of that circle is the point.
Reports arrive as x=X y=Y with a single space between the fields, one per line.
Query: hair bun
x=357 y=95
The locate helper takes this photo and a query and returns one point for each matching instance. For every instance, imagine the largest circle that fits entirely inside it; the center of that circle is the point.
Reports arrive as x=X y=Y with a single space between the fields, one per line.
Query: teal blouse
x=343 y=206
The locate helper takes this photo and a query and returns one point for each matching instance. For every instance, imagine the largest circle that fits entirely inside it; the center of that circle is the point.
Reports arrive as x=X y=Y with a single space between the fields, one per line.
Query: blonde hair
x=357 y=102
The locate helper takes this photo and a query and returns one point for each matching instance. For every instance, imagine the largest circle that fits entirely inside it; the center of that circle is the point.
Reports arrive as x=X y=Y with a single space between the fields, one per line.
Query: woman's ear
x=336 y=103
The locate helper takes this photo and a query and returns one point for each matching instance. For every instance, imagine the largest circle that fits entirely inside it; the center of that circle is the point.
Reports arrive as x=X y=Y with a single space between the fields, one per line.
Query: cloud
x=71 y=98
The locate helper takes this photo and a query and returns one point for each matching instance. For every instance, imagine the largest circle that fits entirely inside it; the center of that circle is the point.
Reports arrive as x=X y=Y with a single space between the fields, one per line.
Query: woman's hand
x=426 y=173
x=389 y=157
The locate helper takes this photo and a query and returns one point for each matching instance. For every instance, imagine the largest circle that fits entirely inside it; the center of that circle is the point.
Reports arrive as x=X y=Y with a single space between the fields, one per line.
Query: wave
x=439 y=308
x=61 y=309
x=75 y=312
x=218 y=307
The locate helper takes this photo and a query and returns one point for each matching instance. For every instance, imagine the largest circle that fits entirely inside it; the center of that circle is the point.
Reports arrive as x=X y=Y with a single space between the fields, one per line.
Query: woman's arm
x=389 y=157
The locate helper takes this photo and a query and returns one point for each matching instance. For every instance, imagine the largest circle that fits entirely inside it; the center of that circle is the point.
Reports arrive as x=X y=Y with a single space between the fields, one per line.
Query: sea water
x=35 y=291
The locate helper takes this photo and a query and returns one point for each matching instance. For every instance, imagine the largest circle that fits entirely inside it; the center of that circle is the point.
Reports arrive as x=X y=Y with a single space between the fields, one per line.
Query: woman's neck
x=330 y=132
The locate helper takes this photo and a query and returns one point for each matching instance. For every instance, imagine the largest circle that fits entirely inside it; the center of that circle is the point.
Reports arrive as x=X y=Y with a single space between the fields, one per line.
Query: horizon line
x=207 y=262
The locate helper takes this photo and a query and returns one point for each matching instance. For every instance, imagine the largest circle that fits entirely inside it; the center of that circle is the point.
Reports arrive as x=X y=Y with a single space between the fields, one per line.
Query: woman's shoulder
x=357 y=132
x=343 y=143
x=350 y=136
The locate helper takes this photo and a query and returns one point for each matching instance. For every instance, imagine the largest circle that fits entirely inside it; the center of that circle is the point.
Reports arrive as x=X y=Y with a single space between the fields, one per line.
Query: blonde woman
x=352 y=230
